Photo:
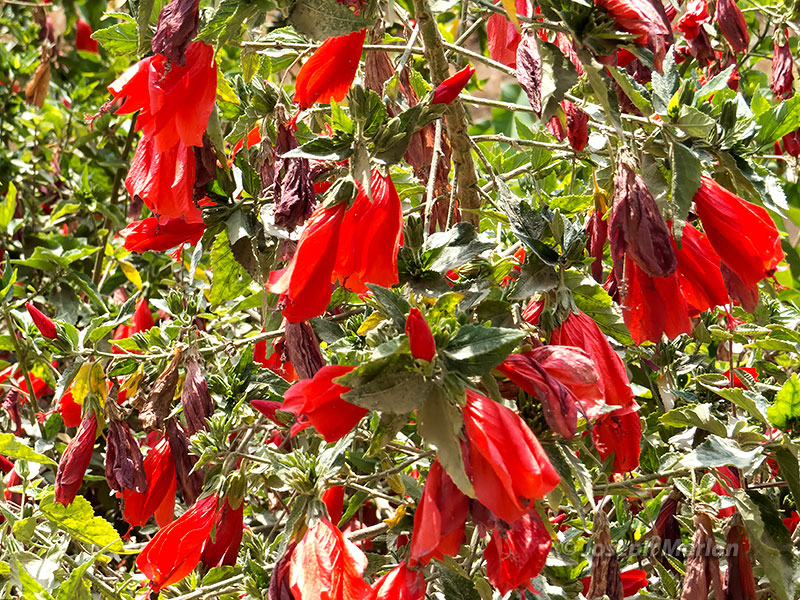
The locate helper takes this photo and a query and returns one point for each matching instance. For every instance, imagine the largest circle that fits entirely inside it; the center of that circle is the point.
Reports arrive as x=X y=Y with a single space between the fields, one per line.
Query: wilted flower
x=328 y=73
x=293 y=189
x=302 y=349
x=605 y=579
x=667 y=527
x=177 y=26
x=175 y=550
x=516 y=554
x=619 y=433
x=509 y=468
x=124 y=464
x=641 y=17
x=189 y=480
x=420 y=338
x=279 y=586
x=401 y=583
x=75 y=461
x=159 y=499
x=529 y=71
x=43 y=323
x=702 y=564
x=782 y=67
x=439 y=520
x=318 y=402
x=195 y=399
x=450 y=88
x=739 y=581
x=149 y=234
x=731 y=21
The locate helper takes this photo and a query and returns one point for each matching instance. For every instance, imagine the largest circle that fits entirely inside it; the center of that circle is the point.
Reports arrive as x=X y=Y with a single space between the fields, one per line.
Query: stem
x=437 y=150
x=22 y=362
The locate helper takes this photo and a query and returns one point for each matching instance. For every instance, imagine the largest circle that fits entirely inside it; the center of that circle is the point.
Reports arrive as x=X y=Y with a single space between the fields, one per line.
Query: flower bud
x=420 y=338
x=782 y=67
x=731 y=21
x=75 y=461
x=43 y=323
x=450 y=88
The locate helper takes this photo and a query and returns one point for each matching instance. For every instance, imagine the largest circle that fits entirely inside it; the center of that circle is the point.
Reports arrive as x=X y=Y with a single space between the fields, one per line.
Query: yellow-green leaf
x=131 y=273
x=15 y=450
x=78 y=519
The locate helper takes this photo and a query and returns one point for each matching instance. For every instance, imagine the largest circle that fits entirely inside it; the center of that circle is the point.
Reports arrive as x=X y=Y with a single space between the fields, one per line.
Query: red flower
x=738 y=382
x=75 y=461
x=743 y=235
x=305 y=285
x=633 y=580
x=326 y=566
x=333 y=498
x=739 y=580
x=653 y=306
x=370 y=236
x=420 y=338
x=450 y=88
x=69 y=410
x=782 y=68
x=159 y=499
x=162 y=90
x=328 y=74
x=228 y=530
x=619 y=433
x=692 y=20
x=731 y=21
x=83 y=37
x=175 y=550
x=641 y=17
x=502 y=36
x=439 y=520
x=401 y=583
x=577 y=126
x=318 y=401
x=698 y=272
x=516 y=555
x=142 y=321
x=164 y=180
x=731 y=479
x=149 y=234
x=43 y=323
x=276 y=361
x=791 y=143
x=509 y=467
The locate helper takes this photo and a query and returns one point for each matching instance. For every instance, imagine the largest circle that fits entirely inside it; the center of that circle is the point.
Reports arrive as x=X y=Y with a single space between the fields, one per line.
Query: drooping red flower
x=693 y=19
x=175 y=550
x=149 y=234
x=69 y=410
x=401 y=583
x=782 y=68
x=43 y=323
x=327 y=566
x=516 y=554
x=731 y=21
x=305 y=285
x=162 y=90
x=633 y=580
x=439 y=520
x=698 y=272
x=577 y=126
x=653 y=306
x=509 y=467
x=75 y=461
x=329 y=72
x=740 y=583
x=450 y=88
x=370 y=237
x=333 y=498
x=228 y=530
x=619 y=433
x=164 y=181
x=642 y=18
x=159 y=499
x=420 y=338
x=502 y=36
x=743 y=235
x=83 y=37
x=318 y=402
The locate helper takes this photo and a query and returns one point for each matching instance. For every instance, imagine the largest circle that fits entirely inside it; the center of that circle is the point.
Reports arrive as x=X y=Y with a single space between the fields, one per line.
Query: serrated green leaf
x=229 y=278
x=121 y=39
x=391 y=392
x=633 y=90
x=322 y=19
x=697 y=415
x=78 y=519
x=786 y=408
x=718 y=451
x=782 y=118
x=475 y=350
x=695 y=123
x=13 y=449
x=686 y=171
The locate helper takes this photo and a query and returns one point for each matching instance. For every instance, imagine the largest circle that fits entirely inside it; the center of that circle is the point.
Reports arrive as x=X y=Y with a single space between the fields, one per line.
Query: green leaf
x=13 y=449
x=452 y=248
x=753 y=403
x=694 y=122
x=338 y=147
x=686 y=171
x=696 y=415
x=789 y=470
x=8 y=206
x=391 y=304
x=391 y=392
x=78 y=519
x=713 y=85
x=786 y=408
x=121 y=39
x=558 y=76
x=143 y=12
x=665 y=84
x=457 y=587
x=633 y=90
x=782 y=118
x=225 y=92
x=475 y=350
x=229 y=278
x=321 y=19
x=718 y=451
x=31 y=589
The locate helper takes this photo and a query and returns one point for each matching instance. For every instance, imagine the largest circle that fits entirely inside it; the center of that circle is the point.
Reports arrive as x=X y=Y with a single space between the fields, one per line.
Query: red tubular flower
x=228 y=530
x=162 y=90
x=439 y=520
x=333 y=498
x=698 y=272
x=791 y=143
x=582 y=331
x=142 y=317
x=731 y=21
x=782 y=68
x=305 y=285
x=319 y=402
x=739 y=580
x=642 y=18
x=450 y=88
x=516 y=555
x=577 y=126
x=732 y=481
x=327 y=566
x=370 y=236
x=619 y=433
x=401 y=583
x=692 y=20
x=328 y=73
x=75 y=461
x=164 y=180
x=175 y=550
x=502 y=36
x=509 y=467
x=159 y=499
x=420 y=338
x=653 y=306
x=149 y=234
x=43 y=323
x=83 y=37
x=743 y=235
